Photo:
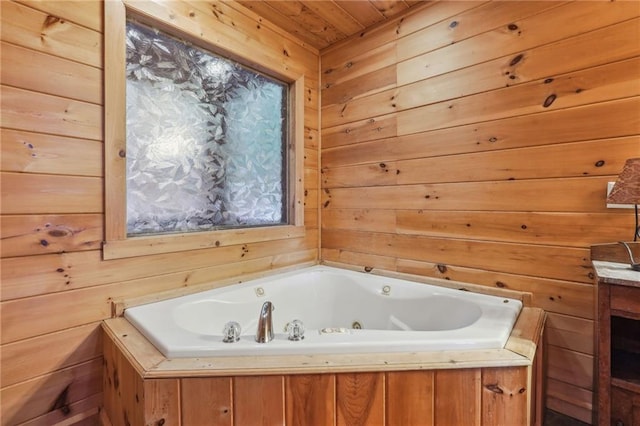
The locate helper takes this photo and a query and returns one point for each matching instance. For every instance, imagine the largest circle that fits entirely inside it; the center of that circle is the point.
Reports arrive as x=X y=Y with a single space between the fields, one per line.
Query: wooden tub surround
x=482 y=387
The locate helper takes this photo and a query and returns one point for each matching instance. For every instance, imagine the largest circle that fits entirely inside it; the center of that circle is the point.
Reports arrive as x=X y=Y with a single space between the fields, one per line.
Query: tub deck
x=150 y=363
x=491 y=387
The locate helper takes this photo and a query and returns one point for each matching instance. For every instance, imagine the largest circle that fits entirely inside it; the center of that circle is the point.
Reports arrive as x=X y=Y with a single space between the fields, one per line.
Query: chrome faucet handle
x=231 y=332
x=295 y=329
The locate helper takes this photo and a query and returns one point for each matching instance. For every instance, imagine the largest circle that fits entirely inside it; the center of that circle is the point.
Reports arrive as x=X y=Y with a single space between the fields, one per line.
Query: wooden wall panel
x=258 y=400
x=51 y=74
x=24 y=235
x=452 y=406
x=430 y=395
x=310 y=399
x=568 y=125
x=360 y=399
x=55 y=286
x=479 y=144
x=504 y=396
x=41 y=153
x=410 y=396
x=214 y=408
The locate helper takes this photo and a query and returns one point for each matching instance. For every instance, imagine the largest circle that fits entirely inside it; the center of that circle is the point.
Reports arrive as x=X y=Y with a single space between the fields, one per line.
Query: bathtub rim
x=118 y=306
x=519 y=350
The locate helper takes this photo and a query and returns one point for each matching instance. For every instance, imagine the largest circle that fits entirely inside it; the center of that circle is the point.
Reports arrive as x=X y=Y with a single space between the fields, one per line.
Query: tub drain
x=356 y=325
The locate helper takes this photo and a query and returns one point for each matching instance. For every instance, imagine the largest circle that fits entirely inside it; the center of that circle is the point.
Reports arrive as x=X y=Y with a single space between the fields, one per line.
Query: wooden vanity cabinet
x=618 y=332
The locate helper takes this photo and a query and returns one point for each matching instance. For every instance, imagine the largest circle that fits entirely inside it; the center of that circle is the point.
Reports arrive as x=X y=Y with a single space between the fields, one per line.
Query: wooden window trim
x=116 y=244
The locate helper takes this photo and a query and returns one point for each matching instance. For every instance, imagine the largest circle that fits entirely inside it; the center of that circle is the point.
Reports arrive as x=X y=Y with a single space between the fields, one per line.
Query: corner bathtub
x=425 y=355
x=342 y=311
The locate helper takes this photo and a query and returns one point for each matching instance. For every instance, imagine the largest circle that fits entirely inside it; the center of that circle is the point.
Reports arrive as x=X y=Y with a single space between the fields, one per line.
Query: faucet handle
x=231 y=332
x=295 y=329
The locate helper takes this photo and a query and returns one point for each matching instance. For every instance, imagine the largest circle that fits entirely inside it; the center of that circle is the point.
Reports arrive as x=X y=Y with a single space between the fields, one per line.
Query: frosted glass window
x=206 y=139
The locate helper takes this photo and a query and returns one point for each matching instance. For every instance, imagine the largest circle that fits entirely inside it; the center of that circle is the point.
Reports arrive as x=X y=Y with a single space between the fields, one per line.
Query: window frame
x=117 y=244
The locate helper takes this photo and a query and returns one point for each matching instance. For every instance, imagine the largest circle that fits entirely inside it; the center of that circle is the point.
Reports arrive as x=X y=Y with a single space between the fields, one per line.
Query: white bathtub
x=395 y=316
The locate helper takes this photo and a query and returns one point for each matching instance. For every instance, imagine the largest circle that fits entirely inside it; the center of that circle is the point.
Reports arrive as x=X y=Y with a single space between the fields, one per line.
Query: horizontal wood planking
x=26 y=68
x=572 y=335
x=25 y=235
x=52 y=222
x=51 y=273
x=594 y=48
x=446 y=109
x=592 y=158
x=49 y=392
x=513 y=37
x=40 y=31
x=465 y=25
x=406 y=178
x=563 y=229
x=50 y=194
x=85 y=412
x=25 y=359
x=89 y=304
x=82 y=12
x=563 y=263
x=587 y=196
x=43 y=153
x=339 y=55
x=36 y=112
x=568 y=125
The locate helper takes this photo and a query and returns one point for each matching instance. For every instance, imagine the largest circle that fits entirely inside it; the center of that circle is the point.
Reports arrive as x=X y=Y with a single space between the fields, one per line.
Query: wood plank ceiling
x=321 y=23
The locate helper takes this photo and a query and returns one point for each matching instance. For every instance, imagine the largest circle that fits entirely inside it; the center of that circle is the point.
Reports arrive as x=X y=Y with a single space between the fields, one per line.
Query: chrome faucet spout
x=264 y=333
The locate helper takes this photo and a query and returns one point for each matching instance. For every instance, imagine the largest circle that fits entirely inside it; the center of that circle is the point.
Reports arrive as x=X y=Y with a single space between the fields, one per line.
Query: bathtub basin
x=394 y=315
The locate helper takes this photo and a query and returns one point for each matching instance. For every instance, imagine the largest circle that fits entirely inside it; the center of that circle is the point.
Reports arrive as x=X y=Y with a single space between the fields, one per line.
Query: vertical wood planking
x=206 y=401
x=504 y=396
x=162 y=401
x=360 y=399
x=409 y=398
x=258 y=400
x=310 y=399
x=457 y=400
x=123 y=388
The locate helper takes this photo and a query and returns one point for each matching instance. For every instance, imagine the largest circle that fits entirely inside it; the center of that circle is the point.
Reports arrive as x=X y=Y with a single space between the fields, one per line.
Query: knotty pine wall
x=55 y=287
x=473 y=141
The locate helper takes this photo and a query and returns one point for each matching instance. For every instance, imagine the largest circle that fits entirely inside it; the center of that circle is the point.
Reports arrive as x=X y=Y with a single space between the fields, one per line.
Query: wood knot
x=368 y=268
x=512 y=27
x=51 y=20
x=516 y=59
x=547 y=102
x=494 y=388
x=122 y=153
x=441 y=268
x=58 y=233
